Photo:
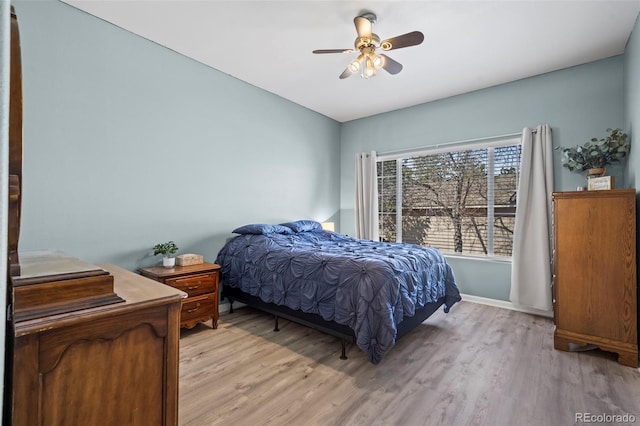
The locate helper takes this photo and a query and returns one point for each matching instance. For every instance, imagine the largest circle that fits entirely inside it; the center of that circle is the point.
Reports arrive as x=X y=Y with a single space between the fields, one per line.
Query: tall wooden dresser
x=595 y=286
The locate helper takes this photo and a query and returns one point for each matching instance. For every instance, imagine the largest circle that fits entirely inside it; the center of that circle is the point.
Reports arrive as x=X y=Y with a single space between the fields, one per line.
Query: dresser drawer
x=195 y=284
x=200 y=282
x=199 y=308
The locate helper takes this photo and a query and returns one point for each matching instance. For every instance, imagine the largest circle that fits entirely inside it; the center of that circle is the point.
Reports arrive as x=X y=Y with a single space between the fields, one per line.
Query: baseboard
x=505 y=305
x=224 y=307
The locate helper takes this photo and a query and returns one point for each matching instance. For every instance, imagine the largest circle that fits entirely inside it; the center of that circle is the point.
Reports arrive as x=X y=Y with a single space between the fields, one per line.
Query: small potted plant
x=596 y=154
x=167 y=250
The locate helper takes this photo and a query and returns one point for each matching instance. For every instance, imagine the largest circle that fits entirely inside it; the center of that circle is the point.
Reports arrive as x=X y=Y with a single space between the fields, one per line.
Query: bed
x=366 y=291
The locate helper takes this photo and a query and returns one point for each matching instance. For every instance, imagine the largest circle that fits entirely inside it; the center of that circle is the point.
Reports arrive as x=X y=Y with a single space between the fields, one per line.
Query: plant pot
x=168 y=262
x=596 y=172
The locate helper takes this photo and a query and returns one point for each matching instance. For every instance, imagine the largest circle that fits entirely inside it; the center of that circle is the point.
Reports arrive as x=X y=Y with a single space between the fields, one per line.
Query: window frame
x=490 y=145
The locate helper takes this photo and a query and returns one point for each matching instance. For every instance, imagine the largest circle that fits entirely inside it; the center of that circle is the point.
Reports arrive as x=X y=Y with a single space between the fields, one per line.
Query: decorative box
x=189 y=259
x=601 y=183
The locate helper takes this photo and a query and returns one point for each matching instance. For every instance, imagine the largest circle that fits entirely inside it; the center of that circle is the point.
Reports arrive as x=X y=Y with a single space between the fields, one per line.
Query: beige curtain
x=532 y=238
x=366 y=196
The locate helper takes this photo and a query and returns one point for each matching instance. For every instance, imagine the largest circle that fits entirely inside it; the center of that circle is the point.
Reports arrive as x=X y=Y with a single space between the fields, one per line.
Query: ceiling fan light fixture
x=368 y=62
x=378 y=61
x=368 y=70
x=355 y=65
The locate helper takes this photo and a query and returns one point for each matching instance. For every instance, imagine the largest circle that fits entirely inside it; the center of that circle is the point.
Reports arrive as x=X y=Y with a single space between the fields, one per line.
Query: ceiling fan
x=368 y=62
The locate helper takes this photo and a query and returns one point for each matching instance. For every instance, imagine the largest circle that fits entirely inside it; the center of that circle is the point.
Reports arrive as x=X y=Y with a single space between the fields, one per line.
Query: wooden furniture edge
x=123 y=287
x=603 y=193
x=627 y=352
x=162 y=272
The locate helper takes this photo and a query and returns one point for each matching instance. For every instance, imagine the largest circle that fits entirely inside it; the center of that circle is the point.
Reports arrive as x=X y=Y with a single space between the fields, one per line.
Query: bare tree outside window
x=459 y=201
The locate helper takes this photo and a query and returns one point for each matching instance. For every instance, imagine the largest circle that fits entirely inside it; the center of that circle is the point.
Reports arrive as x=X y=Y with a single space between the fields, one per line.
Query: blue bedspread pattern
x=369 y=286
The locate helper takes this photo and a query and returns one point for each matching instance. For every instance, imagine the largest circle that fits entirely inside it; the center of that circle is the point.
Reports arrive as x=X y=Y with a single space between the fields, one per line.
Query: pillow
x=262 y=228
x=303 y=225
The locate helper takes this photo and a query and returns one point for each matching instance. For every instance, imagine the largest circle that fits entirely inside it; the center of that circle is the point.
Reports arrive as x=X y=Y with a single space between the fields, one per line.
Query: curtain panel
x=366 y=196
x=531 y=268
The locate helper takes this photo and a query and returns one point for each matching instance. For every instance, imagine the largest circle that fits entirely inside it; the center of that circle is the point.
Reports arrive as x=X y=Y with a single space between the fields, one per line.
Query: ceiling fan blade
x=334 y=51
x=346 y=73
x=391 y=66
x=353 y=67
x=405 y=40
x=363 y=26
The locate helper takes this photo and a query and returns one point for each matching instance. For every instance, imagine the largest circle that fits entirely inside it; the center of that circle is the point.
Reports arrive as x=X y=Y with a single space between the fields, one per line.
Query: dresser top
x=46 y=265
x=592 y=194
x=137 y=291
x=176 y=271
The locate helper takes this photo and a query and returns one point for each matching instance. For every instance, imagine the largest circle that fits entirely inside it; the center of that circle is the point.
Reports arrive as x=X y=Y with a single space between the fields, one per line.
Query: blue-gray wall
x=579 y=103
x=128 y=144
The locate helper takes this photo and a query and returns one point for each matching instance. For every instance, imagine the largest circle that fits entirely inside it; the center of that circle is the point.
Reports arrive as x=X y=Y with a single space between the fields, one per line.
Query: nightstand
x=200 y=282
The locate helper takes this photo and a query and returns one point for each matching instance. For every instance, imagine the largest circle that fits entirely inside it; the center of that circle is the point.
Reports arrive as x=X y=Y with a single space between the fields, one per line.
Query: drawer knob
x=194 y=309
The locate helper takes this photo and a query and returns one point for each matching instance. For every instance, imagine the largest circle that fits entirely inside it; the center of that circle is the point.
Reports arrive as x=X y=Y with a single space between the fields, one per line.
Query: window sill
x=492 y=259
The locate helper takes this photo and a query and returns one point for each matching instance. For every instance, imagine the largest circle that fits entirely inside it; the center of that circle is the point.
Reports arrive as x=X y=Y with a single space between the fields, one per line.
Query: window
x=460 y=200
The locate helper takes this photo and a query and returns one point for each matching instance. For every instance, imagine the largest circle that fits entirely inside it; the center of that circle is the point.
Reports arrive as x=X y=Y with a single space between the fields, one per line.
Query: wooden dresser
x=200 y=282
x=115 y=364
x=595 y=286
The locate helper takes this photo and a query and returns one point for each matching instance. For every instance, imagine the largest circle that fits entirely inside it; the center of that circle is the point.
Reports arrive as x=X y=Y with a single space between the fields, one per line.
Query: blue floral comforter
x=369 y=286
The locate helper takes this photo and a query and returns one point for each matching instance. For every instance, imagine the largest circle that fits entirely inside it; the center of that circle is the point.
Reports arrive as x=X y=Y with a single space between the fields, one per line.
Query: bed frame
x=343 y=332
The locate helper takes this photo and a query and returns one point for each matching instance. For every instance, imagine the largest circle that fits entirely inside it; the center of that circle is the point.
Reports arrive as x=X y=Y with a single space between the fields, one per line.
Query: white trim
x=487 y=258
x=491 y=199
x=398 y=201
x=451 y=147
x=505 y=305
x=224 y=307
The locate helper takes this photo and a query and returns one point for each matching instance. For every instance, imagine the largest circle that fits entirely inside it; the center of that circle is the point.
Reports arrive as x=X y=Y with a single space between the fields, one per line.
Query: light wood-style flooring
x=476 y=365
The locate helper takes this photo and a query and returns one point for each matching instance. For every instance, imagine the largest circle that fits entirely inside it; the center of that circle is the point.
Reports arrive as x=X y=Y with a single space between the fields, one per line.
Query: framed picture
x=601 y=183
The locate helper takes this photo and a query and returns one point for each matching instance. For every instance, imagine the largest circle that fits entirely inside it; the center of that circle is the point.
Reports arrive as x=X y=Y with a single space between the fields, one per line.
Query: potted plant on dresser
x=168 y=251
x=595 y=155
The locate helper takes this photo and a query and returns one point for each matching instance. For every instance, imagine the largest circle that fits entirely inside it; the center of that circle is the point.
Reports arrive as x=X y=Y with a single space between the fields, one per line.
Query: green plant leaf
x=596 y=152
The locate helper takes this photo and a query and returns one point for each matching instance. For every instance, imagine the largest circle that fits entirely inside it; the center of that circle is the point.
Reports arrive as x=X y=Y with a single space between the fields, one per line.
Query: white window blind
x=460 y=200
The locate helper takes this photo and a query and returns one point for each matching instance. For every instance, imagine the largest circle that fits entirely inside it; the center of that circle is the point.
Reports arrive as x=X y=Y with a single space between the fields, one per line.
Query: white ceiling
x=469 y=45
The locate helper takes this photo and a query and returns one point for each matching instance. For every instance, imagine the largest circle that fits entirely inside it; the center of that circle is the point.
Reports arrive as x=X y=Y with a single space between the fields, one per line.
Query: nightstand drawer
x=200 y=282
x=195 y=284
x=198 y=307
